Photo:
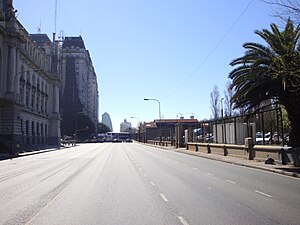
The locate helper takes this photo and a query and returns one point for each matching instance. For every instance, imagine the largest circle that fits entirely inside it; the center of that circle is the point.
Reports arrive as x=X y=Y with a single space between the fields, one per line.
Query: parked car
x=260 y=139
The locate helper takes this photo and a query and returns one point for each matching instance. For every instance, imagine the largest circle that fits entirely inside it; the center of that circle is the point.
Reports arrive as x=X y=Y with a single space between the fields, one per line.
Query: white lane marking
x=210 y=174
x=184 y=164
x=230 y=181
x=152 y=183
x=164 y=197
x=145 y=175
x=209 y=188
x=182 y=220
x=175 y=161
x=195 y=168
x=262 y=193
x=140 y=169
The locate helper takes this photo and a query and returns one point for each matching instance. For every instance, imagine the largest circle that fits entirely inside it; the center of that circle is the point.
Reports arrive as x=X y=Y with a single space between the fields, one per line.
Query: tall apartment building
x=107 y=121
x=29 y=90
x=79 y=89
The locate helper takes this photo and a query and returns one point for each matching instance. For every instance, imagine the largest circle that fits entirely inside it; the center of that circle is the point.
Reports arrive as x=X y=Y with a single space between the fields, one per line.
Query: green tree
x=215 y=102
x=103 y=128
x=271 y=72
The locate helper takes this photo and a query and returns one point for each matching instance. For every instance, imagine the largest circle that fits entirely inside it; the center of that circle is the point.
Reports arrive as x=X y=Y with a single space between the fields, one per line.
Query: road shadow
x=33 y=152
x=291 y=170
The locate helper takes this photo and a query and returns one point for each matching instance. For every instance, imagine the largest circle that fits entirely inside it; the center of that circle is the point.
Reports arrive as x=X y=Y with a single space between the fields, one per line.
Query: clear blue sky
x=171 y=50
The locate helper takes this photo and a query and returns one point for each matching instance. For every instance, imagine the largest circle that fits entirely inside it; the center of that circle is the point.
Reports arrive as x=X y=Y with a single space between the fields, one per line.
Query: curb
x=278 y=171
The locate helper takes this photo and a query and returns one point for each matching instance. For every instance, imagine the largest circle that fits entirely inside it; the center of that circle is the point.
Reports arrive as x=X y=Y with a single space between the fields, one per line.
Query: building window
x=37 y=103
x=32 y=132
x=32 y=100
x=27 y=97
x=27 y=131
x=42 y=105
x=38 y=132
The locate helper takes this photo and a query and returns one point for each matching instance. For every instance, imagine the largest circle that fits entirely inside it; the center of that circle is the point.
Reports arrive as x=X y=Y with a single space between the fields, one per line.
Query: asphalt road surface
x=129 y=183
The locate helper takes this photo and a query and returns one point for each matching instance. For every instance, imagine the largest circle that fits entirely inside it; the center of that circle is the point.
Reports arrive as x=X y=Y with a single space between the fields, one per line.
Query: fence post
x=208 y=149
x=249 y=148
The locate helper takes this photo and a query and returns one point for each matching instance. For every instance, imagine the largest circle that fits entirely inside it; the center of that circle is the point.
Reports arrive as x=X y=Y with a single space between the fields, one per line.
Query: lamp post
x=153 y=99
x=139 y=124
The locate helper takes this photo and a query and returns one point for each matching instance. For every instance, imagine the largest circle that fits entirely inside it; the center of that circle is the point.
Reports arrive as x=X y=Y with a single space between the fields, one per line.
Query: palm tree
x=271 y=72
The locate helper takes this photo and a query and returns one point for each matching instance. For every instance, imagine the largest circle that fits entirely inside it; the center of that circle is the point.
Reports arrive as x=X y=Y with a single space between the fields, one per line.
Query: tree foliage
x=271 y=72
x=215 y=102
x=285 y=9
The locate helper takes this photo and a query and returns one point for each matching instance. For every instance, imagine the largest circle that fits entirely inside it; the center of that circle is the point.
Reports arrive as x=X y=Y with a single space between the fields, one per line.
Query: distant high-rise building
x=107 y=121
x=79 y=88
x=125 y=126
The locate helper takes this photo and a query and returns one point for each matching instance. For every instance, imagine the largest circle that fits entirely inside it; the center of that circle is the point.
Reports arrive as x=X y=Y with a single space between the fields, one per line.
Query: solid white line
x=182 y=220
x=262 y=193
x=164 y=197
x=230 y=181
x=195 y=168
x=152 y=183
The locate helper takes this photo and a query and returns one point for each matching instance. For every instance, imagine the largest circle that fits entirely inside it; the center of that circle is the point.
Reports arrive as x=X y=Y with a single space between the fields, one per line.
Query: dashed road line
x=211 y=174
x=152 y=183
x=262 y=193
x=140 y=169
x=164 y=197
x=230 y=181
x=195 y=168
x=182 y=220
x=145 y=175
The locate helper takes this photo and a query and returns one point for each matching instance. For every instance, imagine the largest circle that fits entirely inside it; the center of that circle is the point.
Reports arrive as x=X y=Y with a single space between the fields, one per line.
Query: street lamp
x=153 y=99
x=139 y=124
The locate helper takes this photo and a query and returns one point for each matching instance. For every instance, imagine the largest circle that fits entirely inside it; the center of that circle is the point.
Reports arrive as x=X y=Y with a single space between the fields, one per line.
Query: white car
x=261 y=140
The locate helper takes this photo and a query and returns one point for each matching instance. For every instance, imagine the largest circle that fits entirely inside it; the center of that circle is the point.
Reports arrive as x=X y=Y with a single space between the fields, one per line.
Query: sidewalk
x=288 y=170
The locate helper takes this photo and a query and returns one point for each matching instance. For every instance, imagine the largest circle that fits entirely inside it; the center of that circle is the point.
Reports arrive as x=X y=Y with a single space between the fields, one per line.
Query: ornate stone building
x=79 y=89
x=29 y=88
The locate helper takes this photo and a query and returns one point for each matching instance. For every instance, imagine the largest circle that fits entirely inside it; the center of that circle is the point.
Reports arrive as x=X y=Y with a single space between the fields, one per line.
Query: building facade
x=79 y=87
x=107 y=120
x=29 y=90
x=125 y=126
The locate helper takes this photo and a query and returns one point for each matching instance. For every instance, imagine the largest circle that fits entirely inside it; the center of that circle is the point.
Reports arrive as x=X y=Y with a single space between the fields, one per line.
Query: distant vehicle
x=259 y=139
x=209 y=137
x=117 y=137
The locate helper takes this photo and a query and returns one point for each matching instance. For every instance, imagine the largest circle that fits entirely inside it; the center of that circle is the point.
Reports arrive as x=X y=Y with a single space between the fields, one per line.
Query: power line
x=212 y=51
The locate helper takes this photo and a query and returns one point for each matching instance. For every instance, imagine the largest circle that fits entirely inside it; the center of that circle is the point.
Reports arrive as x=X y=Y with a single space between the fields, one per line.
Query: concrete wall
x=278 y=153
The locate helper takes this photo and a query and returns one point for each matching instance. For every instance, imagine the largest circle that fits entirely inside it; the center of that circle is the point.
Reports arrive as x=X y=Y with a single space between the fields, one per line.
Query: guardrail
x=160 y=143
x=285 y=155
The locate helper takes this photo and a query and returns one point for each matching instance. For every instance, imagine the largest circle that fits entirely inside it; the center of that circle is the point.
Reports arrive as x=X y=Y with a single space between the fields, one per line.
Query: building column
x=11 y=69
x=56 y=99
